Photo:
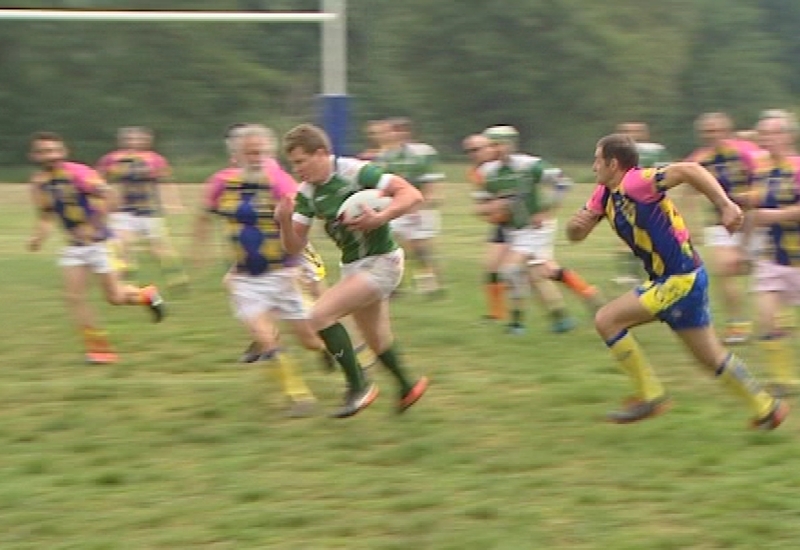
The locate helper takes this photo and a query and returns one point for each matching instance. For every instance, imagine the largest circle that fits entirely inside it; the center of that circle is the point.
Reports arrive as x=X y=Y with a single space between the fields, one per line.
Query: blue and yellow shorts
x=680 y=301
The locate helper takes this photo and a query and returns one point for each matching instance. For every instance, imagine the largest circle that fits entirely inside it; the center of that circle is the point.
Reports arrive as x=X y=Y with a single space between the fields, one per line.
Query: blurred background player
x=415 y=162
x=372 y=263
x=650 y=155
x=635 y=202
x=480 y=149
x=263 y=280
x=375 y=132
x=776 y=279
x=735 y=165
x=81 y=200
x=142 y=178
x=525 y=191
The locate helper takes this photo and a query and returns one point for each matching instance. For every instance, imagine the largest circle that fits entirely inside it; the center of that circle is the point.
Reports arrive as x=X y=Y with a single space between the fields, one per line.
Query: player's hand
x=366 y=221
x=35 y=243
x=284 y=210
x=732 y=217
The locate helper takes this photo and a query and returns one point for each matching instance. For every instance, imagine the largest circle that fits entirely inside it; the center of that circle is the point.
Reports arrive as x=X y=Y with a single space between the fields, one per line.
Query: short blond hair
x=308 y=138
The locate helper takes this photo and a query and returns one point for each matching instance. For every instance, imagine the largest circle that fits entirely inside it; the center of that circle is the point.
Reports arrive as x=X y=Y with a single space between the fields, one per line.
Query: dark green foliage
x=563 y=71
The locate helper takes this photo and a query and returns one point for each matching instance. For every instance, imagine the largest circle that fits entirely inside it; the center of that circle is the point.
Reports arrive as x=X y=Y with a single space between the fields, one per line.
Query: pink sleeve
x=159 y=165
x=755 y=159
x=214 y=187
x=282 y=182
x=86 y=179
x=640 y=185
x=104 y=162
x=595 y=202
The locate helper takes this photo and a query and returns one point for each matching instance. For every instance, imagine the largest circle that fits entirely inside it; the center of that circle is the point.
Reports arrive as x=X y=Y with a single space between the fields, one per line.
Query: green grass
x=179 y=447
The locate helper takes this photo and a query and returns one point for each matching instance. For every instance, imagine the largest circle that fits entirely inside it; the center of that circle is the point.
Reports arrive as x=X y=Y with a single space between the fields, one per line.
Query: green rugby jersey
x=323 y=201
x=414 y=162
x=519 y=179
x=652 y=155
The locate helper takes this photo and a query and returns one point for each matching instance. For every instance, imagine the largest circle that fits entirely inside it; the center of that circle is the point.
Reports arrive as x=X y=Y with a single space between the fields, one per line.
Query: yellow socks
x=289 y=377
x=631 y=359
x=735 y=375
x=779 y=358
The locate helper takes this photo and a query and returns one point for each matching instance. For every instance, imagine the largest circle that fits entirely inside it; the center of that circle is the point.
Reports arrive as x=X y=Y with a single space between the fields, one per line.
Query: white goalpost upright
x=334 y=101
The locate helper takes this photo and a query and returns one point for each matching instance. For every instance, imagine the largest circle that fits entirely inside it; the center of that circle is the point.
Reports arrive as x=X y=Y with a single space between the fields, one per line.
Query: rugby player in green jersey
x=372 y=263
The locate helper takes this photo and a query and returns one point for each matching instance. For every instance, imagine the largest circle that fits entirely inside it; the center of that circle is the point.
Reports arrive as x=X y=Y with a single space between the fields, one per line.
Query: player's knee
x=320 y=322
x=310 y=340
x=73 y=297
x=514 y=275
x=605 y=322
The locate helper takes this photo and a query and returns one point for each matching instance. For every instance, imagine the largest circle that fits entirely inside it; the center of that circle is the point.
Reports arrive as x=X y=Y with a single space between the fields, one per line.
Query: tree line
x=562 y=71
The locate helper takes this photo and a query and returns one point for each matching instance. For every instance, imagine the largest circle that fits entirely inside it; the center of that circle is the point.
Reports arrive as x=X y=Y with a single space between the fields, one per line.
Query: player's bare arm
x=769 y=216
x=294 y=235
x=703 y=181
x=44 y=218
x=581 y=224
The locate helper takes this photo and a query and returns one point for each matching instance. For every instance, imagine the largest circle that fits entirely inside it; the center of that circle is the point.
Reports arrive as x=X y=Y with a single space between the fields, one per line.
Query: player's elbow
x=416 y=198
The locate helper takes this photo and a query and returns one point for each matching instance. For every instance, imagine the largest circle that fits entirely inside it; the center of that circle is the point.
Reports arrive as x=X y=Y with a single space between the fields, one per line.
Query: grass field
x=179 y=447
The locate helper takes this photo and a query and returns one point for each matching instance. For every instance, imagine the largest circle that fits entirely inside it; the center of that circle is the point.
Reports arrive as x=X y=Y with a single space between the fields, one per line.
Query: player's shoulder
x=795 y=162
x=421 y=149
x=488 y=168
x=39 y=178
x=349 y=167
x=306 y=190
x=79 y=170
x=637 y=175
x=523 y=161
x=224 y=174
x=157 y=156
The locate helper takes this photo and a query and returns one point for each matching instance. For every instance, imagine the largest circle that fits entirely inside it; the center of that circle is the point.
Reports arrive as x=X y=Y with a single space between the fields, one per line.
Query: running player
x=142 y=176
x=415 y=232
x=735 y=164
x=372 y=263
x=777 y=272
x=635 y=202
x=262 y=281
x=519 y=185
x=81 y=200
x=480 y=150
x=651 y=155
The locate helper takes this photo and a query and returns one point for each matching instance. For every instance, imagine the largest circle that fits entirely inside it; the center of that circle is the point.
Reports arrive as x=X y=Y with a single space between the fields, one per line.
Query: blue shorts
x=680 y=301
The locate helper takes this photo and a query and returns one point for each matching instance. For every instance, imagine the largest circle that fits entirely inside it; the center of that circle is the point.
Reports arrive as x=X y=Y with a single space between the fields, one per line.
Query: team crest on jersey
x=625 y=207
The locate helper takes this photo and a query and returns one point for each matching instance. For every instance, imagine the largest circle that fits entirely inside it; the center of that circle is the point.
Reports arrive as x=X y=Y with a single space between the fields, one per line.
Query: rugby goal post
x=334 y=103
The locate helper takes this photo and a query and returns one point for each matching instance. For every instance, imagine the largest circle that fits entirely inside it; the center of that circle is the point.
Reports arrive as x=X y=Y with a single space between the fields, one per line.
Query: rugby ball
x=354 y=204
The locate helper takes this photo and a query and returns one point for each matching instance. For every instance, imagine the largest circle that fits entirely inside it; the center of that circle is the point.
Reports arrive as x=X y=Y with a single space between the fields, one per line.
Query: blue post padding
x=334 y=110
